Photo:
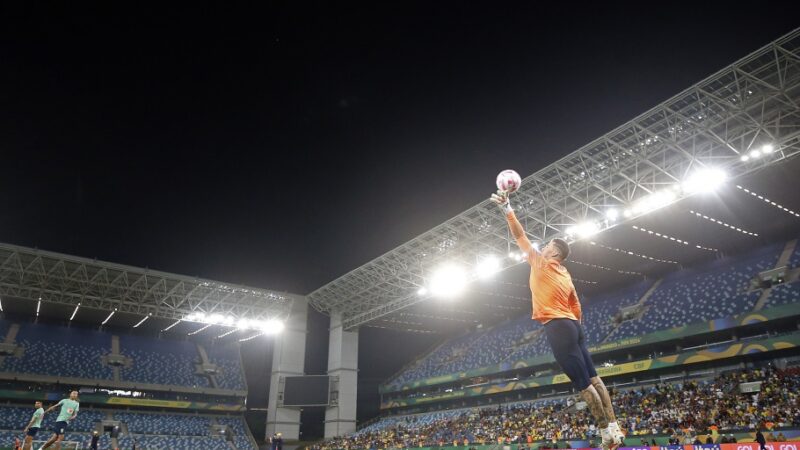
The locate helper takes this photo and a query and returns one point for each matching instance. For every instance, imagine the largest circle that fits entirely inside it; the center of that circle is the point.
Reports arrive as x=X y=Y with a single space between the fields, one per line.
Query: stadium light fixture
x=705 y=180
x=232 y=330
x=422 y=291
x=768 y=201
x=38 y=306
x=109 y=316
x=448 y=281
x=251 y=337
x=651 y=202
x=487 y=267
x=74 y=311
x=216 y=319
x=173 y=324
x=755 y=153
x=584 y=229
x=767 y=149
x=724 y=224
x=745 y=158
x=272 y=326
x=142 y=321
x=612 y=214
x=204 y=327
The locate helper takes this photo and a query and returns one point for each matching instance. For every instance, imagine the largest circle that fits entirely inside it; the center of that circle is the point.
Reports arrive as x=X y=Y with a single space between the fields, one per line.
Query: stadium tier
x=719 y=289
x=173 y=442
x=794 y=260
x=653 y=410
x=226 y=358
x=148 y=430
x=163 y=362
x=75 y=353
x=711 y=291
x=165 y=423
x=66 y=352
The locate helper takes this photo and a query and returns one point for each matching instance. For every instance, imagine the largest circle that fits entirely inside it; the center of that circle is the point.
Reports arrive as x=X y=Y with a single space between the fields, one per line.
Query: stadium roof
x=722 y=123
x=33 y=275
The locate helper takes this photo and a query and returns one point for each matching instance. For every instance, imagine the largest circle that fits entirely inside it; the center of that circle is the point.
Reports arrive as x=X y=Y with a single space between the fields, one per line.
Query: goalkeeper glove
x=501 y=200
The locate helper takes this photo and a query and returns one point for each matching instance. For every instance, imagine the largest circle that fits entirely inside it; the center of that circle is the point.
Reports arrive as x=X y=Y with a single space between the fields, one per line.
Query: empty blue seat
x=60 y=351
x=161 y=361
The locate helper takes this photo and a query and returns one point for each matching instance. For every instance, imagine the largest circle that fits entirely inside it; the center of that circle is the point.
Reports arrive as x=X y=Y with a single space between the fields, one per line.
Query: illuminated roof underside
x=753 y=103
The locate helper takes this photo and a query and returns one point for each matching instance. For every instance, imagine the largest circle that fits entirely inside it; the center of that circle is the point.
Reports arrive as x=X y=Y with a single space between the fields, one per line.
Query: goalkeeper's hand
x=501 y=200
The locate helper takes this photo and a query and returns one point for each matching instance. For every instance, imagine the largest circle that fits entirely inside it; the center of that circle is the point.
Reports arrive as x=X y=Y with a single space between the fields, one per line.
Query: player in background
x=33 y=425
x=69 y=410
x=555 y=304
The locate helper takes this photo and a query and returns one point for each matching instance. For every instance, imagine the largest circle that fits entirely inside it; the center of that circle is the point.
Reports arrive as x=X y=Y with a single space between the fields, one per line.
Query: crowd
x=681 y=410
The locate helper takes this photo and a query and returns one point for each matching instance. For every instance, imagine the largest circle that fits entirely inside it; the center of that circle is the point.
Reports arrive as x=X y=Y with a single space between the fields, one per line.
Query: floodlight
x=584 y=229
x=216 y=318
x=768 y=148
x=422 y=291
x=612 y=214
x=487 y=266
x=448 y=281
x=272 y=326
x=706 y=180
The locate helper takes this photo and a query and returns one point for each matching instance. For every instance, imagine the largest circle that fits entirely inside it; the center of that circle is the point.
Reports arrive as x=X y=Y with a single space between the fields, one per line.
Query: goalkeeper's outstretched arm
x=501 y=199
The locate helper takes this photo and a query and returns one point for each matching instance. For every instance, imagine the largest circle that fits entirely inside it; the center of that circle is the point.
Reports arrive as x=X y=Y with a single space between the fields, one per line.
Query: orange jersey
x=552 y=291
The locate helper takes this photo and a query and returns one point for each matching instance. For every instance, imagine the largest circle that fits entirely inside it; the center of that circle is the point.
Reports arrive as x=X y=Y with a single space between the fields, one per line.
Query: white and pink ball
x=508 y=180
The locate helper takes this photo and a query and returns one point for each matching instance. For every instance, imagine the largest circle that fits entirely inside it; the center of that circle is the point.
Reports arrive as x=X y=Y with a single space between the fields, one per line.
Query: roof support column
x=340 y=416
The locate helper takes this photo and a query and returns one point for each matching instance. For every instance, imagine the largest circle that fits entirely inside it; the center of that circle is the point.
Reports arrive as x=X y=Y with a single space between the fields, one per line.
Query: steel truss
x=753 y=102
x=69 y=280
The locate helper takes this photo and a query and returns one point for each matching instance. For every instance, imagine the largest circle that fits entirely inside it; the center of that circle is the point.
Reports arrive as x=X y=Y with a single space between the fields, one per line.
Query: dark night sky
x=283 y=146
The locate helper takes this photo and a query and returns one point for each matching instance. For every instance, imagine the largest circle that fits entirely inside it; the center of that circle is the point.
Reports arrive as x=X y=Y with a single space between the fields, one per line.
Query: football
x=508 y=180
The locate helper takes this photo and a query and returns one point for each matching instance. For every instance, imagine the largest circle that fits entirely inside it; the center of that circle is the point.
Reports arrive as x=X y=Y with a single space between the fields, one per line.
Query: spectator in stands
x=95 y=439
x=660 y=409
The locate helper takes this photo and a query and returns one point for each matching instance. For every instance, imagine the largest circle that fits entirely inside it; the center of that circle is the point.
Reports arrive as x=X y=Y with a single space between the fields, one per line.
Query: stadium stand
x=173 y=442
x=60 y=351
x=445 y=352
x=164 y=362
x=150 y=430
x=710 y=291
x=642 y=411
x=241 y=437
x=794 y=260
x=151 y=423
x=783 y=294
x=227 y=359
x=78 y=353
